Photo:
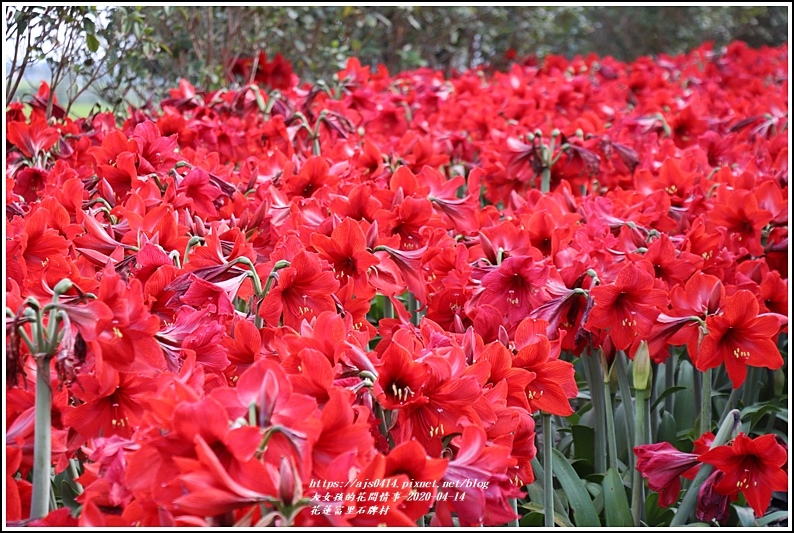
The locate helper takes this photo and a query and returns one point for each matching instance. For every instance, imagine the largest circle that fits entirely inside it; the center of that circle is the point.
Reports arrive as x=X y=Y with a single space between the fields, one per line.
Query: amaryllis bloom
x=628 y=307
x=480 y=487
x=303 y=290
x=663 y=465
x=347 y=252
x=713 y=506
x=516 y=286
x=739 y=338
x=33 y=138
x=554 y=381
x=738 y=212
x=753 y=467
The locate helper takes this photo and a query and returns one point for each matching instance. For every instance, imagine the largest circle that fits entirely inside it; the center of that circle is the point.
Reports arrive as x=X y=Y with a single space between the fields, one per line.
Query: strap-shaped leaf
x=584 y=514
x=616 y=505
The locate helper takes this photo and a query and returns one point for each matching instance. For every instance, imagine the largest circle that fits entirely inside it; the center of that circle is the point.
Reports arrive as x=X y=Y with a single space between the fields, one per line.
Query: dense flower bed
x=294 y=304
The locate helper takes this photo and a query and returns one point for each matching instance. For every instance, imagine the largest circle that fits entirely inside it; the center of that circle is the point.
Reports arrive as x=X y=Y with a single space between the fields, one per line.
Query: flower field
x=556 y=295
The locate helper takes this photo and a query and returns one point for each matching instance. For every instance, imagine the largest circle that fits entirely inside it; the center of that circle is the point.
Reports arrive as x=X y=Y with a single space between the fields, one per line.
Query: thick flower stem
x=595 y=382
x=610 y=416
x=637 y=487
x=625 y=397
x=412 y=309
x=42 y=447
x=388 y=309
x=545 y=180
x=729 y=426
x=514 y=506
x=733 y=398
x=750 y=394
x=548 y=474
x=669 y=380
x=642 y=373
x=705 y=404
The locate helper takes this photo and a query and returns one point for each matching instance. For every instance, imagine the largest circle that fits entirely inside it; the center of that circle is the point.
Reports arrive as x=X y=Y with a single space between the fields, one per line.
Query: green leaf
x=746 y=516
x=584 y=514
x=560 y=520
x=664 y=394
x=583 y=443
x=69 y=495
x=531 y=520
x=616 y=505
x=655 y=515
x=772 y=517
x=92 y=42
x=667 y=431
x=683 y=408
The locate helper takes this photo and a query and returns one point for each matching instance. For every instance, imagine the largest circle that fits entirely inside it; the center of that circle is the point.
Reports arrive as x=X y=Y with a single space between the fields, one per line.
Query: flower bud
x=641 y=369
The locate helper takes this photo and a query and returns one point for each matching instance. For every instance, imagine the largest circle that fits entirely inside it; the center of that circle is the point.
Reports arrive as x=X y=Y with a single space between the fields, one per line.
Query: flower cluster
x=275 y=293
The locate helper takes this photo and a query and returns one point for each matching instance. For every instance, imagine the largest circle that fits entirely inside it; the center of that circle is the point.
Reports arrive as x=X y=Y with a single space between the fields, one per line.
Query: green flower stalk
x=641 y=373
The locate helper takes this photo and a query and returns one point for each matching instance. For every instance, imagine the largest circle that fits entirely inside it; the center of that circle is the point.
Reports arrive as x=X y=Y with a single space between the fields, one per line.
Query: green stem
x=625 y=398
x=42 y=447
x=669 y=380
x=548 y=479
x=595 y=382
x=698 y=385
x=729 y=426
x=750 y=395
x=730 y=404
x=412 y=309
x=652 y=415
x=514 y=506
x=545 y=180
x=705 y=404
x=610 y=415
x=388 y=309
x=637 y=487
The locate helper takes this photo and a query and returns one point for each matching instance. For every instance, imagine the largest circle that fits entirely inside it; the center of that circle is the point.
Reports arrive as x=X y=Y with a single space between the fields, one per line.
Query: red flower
x=411 y=460
x=516 y=285
x=303 y=291
x=480 y=487
x=627 y=308
x=34 y=138
x=739 y=338
x=347 y=252
x=113 y=403
x=738 y=212
x=127 y=341
x=753 y=467
x=663 y=465
x=554 y=381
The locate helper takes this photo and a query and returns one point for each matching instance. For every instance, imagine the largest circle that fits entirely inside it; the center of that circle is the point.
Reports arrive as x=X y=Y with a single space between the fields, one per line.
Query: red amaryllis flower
x=752 y=467
x=627 y=308
x=127 y=341
x=400 y=378
x=478 y=486
x=663 y=465
x=411 y=460
x=739 y=338
x=516 y=286
x=303 y=291
x=554 y=381
x=712 y=506
x=113 y=403
x=34 y=138
x=738 y=212
x=702 y=296
x=346 y=250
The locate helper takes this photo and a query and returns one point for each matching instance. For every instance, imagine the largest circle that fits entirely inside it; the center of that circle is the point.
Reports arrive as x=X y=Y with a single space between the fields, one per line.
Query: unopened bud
x=641 y=369
x=63 y=286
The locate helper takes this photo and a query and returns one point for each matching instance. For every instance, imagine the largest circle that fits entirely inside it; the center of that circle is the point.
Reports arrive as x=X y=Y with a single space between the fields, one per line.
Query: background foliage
x=132 y=54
